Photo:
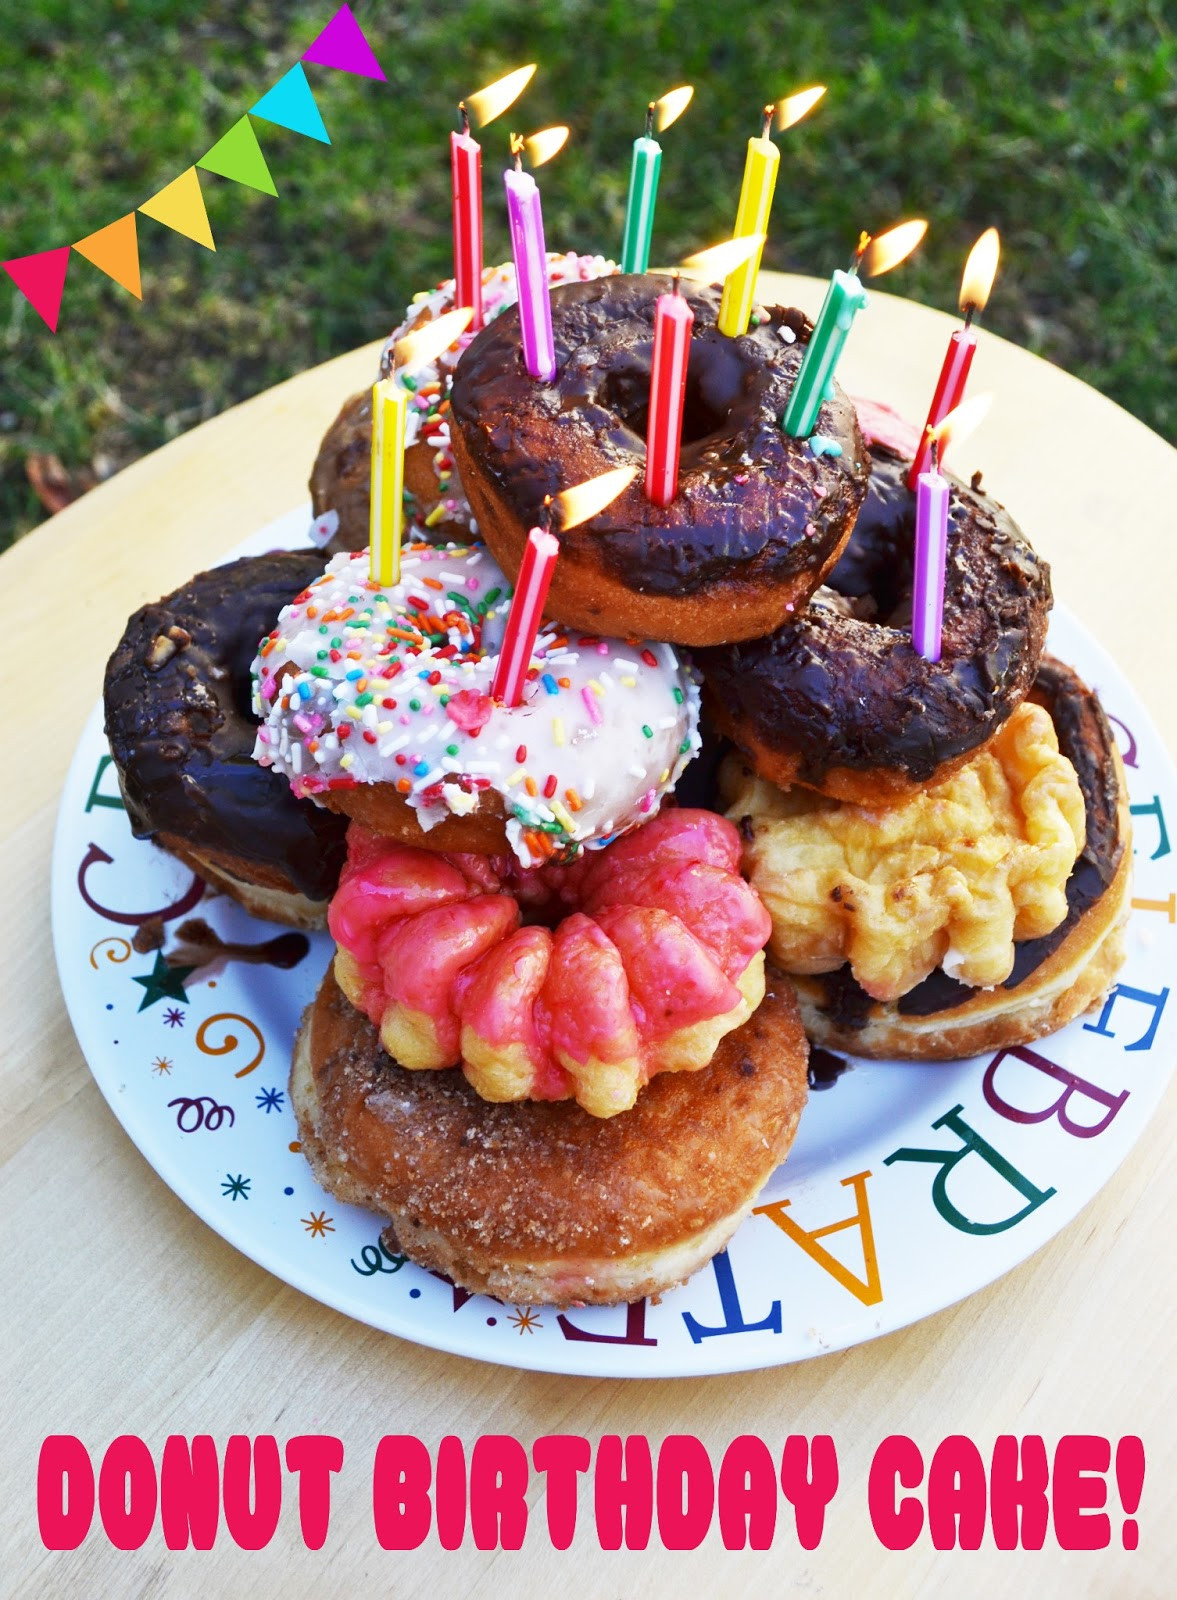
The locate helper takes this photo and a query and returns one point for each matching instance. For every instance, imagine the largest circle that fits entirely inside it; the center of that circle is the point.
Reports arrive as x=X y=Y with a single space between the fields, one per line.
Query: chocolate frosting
x=751 y=501
x=178 y=717
x=850 y=691
x=1085 y=738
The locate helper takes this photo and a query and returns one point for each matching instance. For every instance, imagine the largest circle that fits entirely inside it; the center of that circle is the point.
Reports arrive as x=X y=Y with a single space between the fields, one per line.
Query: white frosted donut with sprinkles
x=360 y=685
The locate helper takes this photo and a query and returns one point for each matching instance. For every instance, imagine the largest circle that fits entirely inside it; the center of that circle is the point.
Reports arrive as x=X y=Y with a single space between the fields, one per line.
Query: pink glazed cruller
x=554 y=982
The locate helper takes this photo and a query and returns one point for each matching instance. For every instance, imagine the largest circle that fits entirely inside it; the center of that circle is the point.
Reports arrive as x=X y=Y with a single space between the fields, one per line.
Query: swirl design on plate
x=201 y=1112
x=121 y=952
x=230 y=1042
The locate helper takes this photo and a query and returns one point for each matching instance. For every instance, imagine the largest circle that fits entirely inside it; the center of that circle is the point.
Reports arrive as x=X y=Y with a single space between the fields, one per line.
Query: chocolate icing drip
x=850 y=692
x=751 y=500
x=1085 y=738
x=177 y=697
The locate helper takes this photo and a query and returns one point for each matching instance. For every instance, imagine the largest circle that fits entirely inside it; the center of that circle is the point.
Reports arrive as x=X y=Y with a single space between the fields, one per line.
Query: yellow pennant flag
x=180 y=206
x=115 y=251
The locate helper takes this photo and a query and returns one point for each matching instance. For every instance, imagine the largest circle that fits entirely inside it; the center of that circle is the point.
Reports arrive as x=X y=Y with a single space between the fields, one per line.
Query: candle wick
x=970 y=312
x=935 y=446
x=546 y=514
x=860 y=251
x=465 y=116
x=677 y=286
x=650 y=120
x=517 y=143
x=766 y=125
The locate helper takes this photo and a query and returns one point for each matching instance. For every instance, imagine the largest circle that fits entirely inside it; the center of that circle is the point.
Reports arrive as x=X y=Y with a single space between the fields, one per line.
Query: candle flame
x=671 y=106
x=419 y=348
x=718 y=263
x=795 y=106
x=542 y=146
x=959 y=424
x=888 y=249
x=584 y=500
x=979 y=271
x=487 y=104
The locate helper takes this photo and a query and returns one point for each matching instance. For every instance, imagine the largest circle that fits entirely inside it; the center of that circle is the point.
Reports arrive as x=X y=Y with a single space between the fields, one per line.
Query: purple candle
x=531 y=272
x=931 y=552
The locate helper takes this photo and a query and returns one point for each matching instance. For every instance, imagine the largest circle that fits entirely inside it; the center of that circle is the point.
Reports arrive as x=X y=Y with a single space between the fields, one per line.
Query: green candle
x=844 y=299
x=643 y=192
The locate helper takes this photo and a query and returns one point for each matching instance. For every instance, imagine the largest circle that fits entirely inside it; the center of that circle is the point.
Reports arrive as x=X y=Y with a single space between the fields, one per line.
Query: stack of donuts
x=562 y=1043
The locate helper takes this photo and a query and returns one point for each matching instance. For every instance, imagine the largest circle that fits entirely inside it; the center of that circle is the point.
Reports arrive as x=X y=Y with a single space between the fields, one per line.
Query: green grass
x=1057 y=122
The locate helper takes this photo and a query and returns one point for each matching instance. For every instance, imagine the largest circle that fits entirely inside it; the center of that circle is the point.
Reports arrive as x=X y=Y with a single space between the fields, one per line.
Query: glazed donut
x=654 y=952
x=1055 y=976
x=542 y=1203
x=759 y=517
x=839 y=700
x=376 y=703
x=342 y=475
x=177 y=695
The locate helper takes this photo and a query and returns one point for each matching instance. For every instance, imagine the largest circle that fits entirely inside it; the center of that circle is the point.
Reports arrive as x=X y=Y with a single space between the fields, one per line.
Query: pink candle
x=525 y=616
x=466 y=169
x=673 y=320
x=931 y=553
x=531 y=272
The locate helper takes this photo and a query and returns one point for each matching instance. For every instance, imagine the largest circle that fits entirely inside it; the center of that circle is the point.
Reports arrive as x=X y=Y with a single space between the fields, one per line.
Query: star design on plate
x=174 y=1017
x=162 y=1064
x=525 y=1319
x=236 y=1188
x=163 y=982
x=318 y=1224
x=271 y=1100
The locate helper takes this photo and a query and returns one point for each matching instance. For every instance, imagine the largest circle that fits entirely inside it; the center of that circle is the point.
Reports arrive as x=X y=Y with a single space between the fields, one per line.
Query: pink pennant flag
x=342 y=45
x=41 y=279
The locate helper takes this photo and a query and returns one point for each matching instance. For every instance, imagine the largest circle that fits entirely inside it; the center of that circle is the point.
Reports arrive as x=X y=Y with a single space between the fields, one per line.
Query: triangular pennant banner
x=342 y=45
x=291 y=104
x=238 y=156
x=180 y=206
x=115 y=251
x=41 y=279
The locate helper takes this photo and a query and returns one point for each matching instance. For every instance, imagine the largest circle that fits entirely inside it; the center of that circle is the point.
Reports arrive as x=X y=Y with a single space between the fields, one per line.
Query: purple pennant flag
x=342 y=45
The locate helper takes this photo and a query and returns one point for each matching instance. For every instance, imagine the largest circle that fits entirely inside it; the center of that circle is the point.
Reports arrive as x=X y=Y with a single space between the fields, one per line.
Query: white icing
x=613 y=731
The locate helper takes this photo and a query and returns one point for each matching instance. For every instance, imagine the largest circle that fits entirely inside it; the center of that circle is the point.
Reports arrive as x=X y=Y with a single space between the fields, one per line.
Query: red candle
x=466 y=166
x=525 y=616
x=979 y=272
x=673 y=320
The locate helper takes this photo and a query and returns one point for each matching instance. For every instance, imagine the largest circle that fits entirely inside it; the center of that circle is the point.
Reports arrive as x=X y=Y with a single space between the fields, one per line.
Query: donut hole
x=719 y=382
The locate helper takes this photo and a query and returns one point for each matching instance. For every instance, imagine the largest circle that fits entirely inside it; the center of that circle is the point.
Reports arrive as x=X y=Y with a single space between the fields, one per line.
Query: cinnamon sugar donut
x=541 y=1203
x=759 y=517
x=177 y=696
x=840 y=701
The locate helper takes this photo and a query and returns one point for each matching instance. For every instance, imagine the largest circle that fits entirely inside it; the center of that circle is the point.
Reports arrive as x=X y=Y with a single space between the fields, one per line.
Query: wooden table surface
x=122 y=1313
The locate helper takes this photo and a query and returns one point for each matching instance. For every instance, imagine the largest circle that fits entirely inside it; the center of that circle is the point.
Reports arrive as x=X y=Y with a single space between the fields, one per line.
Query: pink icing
x=620 y=950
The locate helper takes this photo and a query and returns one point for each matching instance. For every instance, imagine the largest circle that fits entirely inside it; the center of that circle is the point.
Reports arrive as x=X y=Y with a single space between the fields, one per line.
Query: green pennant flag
x=238 y=156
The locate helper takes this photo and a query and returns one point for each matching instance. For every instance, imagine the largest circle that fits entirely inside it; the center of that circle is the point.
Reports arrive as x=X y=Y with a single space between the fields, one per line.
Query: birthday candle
x=643 y=179
x=390 y=409
x=466 y=169
x=525 y=616
x=844 y=299
x=979 y=273
x=525 y=217
x=761 y=165
x=931 y=551
x=673 y=320
x=466 y=174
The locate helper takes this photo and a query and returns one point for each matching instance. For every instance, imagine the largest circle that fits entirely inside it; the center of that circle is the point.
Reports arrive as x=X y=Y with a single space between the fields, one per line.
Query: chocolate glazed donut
x=839 y=701
x=758 y=518
x=177 y=698
x=1054 y=978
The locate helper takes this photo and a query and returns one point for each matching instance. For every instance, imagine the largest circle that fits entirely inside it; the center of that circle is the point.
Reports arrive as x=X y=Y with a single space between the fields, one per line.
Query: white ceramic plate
x=867 y=1228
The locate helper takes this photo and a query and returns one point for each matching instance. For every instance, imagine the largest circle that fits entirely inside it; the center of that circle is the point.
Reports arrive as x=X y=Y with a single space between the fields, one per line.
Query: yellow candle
x=739 y=290
x=390 y=409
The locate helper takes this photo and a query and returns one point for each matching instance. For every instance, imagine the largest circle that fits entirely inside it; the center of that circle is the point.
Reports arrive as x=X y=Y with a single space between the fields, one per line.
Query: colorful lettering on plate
x=868 y=1288
x=971 y=1143
x=733 y=1315
x=1072 y=1085
x=1124 y=991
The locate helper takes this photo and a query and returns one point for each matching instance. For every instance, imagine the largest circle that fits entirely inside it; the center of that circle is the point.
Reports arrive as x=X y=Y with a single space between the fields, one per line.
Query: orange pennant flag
x=180 y=206
x=115 y=251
